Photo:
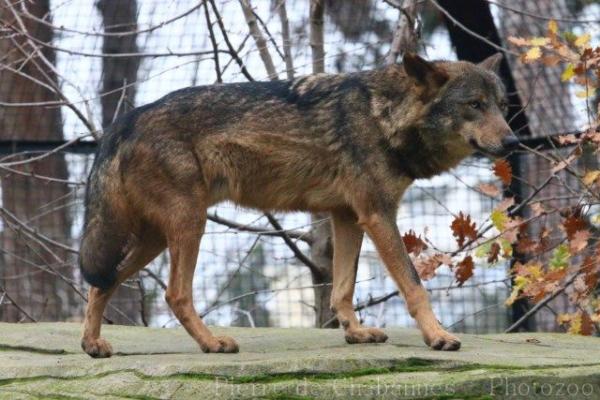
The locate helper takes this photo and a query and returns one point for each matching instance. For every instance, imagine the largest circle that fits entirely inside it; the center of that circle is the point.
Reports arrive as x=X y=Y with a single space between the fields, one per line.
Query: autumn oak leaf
x=579 y=241
x=489 y=189
x=503 y=171
x=587 y=325
x=414 y=244
x=532 y=54
x=463 y=228
x=493 y=253
x=427 y=266
x=464 y=270
x=573 y=223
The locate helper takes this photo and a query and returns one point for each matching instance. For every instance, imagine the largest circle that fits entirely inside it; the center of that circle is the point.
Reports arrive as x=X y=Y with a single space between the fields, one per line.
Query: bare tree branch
x=406 y=35
x=287 y=43
x=261 y=43
x=213 y=42
x=16 y=305
x=317 y=9
x=294 y=234
x=232 y=51
x=314 y=269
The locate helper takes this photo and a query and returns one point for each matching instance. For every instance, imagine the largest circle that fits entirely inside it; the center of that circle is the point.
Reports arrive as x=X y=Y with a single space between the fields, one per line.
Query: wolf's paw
x=97 y=348
x=365 y=335
x=443 y=341
x=220 y=344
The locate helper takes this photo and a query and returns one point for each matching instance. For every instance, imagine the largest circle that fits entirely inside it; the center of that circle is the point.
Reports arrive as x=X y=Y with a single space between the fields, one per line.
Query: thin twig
x=213 y=42
x=232 y=51
x=16 y=305
x=314 y=269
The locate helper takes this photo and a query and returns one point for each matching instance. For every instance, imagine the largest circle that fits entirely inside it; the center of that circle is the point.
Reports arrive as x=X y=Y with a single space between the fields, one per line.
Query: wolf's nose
x=510 y=141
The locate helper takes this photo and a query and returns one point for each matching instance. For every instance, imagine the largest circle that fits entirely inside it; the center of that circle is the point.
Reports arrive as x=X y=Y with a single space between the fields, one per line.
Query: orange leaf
x=587 y=325
x=462 y=228
x=537 y=208
x=518 y=41
x=464 y=270
x=505 y=204
x=494 y=252
x=574 y=223
x=536 y=291
x=590 y=267
x=579 y=241
x=511 y=229
x=426 y=267
x=503 y=170
x=567 y=139
x=489 y=189
x=414 y=244
x=550 y=60
x=556 y=275
x=527 y=245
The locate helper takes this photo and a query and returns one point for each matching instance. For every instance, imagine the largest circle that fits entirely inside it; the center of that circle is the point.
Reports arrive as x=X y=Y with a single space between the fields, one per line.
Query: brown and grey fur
x=348 y=144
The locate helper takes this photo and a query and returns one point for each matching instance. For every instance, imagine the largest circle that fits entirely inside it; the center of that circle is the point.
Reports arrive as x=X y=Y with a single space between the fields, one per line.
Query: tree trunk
x=25 y=275
x=322 y=246
x=321 y=253
x=118 y=84
x=118 y=16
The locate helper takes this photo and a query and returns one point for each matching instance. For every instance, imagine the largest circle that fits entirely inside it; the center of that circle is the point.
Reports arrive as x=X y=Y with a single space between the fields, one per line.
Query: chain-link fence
x=100 y=59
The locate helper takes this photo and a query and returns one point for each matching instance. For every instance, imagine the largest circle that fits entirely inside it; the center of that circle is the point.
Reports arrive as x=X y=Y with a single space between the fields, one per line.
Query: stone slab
x=44 y=360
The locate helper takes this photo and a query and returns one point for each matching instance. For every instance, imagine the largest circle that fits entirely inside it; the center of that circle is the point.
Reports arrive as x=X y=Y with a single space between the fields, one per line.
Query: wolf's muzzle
x=510 y=142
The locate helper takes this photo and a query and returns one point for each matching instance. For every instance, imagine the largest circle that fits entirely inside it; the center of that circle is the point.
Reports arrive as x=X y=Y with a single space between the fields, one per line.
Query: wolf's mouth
x=483 y=150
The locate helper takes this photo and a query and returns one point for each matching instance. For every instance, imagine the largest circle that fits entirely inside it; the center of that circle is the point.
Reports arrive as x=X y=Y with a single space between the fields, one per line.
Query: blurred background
x=68 y=68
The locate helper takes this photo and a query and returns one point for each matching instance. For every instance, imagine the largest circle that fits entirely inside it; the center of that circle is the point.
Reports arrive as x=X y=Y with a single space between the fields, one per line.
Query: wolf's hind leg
x=347 y=239
x=138 y=257
x=184 y=242
x=385 y=235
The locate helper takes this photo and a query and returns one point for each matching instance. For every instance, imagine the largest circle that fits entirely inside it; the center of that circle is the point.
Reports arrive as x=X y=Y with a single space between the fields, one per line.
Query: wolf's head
x=465 y=104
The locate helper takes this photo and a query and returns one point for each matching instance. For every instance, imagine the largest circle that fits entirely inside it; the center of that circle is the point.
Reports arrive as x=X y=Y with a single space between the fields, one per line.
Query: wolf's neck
x=417 y=154
x=412 y=148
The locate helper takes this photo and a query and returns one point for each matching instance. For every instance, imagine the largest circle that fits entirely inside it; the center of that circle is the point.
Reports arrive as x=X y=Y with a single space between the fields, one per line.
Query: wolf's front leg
x=347 y=239
x=384 y=232
x=183 y=242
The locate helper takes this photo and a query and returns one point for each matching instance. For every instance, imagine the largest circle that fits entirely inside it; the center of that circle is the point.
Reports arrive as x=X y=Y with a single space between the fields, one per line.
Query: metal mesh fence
x=254 y=280
x=242 y=278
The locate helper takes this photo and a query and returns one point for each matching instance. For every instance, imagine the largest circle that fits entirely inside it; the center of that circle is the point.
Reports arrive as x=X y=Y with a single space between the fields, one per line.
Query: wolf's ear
x=423 y=71
x=492 y=63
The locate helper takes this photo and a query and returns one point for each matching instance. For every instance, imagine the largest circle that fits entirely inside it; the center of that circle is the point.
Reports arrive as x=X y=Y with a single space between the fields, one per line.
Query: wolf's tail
x=103 y=246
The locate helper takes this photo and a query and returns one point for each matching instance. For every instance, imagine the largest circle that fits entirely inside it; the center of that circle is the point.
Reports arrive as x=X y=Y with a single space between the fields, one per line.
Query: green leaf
x=482 y=250
x=560 y=257
x=499 y=219
x=583 y=41
x=506 y=246
x=568 y=73
x=570 y=37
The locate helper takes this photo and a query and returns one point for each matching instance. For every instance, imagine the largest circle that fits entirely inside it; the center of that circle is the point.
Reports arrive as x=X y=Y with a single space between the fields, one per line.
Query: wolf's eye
x=476 y=105
x=504 y=106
